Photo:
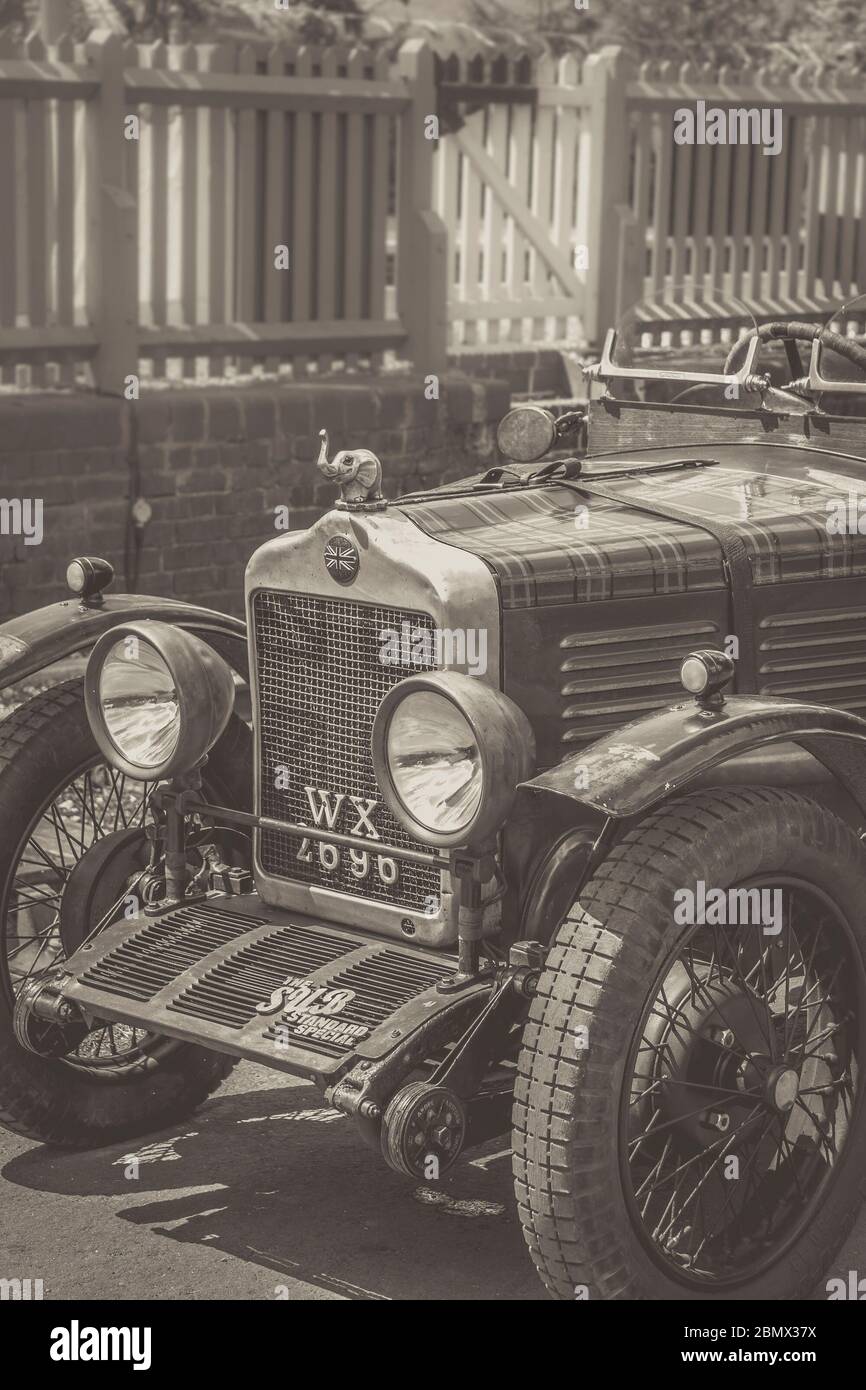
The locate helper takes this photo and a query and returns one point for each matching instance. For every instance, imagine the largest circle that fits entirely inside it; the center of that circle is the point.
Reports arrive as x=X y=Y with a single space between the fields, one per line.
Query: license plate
x=361 y=863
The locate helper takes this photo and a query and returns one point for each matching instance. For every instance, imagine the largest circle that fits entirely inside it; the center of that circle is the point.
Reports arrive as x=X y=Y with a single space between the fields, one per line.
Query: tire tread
x=596 y=974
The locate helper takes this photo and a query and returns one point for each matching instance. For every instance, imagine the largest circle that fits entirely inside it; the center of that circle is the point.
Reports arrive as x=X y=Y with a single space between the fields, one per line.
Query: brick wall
x=528 y=371
x=213 y=463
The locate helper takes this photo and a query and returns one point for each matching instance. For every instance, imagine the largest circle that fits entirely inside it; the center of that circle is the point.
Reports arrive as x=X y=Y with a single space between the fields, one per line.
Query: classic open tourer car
x=548 y=820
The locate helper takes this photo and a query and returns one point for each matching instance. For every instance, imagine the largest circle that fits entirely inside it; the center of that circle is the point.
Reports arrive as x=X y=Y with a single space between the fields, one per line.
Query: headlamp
x=449 y=752
x=157 y=698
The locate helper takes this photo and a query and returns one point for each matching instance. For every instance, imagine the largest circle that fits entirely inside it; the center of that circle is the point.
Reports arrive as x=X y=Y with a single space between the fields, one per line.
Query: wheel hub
x=783 y=1088
x=741 y=1090
x=702 y=1045
x=44 y=1022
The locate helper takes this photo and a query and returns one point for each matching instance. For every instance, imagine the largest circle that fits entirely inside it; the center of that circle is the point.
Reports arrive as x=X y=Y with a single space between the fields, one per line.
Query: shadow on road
x=271 y=1177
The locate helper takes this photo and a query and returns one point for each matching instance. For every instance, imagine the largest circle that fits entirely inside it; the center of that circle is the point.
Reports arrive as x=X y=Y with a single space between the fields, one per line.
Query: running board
x=279 y=989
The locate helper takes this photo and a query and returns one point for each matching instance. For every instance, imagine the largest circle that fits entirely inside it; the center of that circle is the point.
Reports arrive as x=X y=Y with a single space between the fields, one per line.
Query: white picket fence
x=564 y=209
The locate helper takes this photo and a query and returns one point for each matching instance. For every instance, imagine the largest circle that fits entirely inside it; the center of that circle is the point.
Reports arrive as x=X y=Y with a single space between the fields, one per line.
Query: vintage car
x=548 y=820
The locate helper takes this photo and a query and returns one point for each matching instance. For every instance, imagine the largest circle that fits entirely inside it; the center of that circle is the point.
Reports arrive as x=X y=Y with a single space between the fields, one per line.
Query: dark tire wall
x=598 y=973
x=42 y=743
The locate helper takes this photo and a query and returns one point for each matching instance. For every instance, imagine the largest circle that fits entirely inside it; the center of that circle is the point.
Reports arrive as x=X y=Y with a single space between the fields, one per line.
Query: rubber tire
x=40 y=743
x=608 y=949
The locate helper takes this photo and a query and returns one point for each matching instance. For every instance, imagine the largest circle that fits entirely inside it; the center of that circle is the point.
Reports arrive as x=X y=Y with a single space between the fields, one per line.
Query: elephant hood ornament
x=358 y=471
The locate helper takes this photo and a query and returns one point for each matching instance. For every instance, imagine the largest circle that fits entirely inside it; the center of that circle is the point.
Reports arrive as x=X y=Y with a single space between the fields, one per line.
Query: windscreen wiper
x=558 y=471
x=639 y=469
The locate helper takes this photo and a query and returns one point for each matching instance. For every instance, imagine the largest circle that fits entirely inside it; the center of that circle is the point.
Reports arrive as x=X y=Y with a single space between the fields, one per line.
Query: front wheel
x=689 y=1119
x=60 y=802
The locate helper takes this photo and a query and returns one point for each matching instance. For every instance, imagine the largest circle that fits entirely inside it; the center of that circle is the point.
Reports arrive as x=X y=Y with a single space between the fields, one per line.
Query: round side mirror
x=526 y=433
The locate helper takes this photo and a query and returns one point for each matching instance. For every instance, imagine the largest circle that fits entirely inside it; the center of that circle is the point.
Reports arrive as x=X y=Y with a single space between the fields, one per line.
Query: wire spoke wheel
x=96 y=802
x=73 y=852
x=741 y=1087
x=688 y=1112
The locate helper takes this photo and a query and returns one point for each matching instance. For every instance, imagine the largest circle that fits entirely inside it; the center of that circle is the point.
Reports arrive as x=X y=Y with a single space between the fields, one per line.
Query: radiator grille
x=321 y=680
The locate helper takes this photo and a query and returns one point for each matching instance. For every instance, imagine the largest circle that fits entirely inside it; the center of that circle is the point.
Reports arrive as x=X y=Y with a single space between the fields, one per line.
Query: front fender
x=37 y=639
x=645 y=762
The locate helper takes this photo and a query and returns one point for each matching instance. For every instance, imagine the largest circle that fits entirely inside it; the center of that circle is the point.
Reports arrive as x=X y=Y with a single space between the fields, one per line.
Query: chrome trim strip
x=400 y=565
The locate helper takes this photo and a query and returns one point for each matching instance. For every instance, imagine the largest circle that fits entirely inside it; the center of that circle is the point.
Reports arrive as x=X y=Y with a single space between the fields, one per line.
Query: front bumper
x=272 y=986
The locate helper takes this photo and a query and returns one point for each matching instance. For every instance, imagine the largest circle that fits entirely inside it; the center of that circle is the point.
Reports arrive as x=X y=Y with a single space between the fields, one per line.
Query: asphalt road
x=264 y=1194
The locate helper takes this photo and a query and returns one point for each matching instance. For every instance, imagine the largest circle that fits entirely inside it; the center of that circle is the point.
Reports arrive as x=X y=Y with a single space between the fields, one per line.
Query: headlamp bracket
x=170 y=802
x=470 y=870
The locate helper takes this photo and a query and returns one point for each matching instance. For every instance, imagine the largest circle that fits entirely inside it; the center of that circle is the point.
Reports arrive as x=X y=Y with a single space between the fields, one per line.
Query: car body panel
x=640 y=765
x=35 y=640
x=601 y=601
x=558 y=544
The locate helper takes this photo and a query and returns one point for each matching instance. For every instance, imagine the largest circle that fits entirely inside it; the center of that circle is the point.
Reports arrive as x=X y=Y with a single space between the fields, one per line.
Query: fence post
x=53 y=20
x=630 y=260
x=112 y=222
x=422 y=238
x=606 y=75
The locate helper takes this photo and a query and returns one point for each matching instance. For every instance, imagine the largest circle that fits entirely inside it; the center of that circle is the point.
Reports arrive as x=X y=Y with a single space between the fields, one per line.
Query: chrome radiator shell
x=401 y=570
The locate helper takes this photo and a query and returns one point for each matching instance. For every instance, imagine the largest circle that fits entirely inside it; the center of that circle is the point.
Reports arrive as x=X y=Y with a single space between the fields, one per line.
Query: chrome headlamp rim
x=506 y=748
x=203 y=683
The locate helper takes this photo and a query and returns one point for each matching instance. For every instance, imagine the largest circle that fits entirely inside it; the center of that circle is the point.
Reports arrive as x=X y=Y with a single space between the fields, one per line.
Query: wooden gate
x=510 y=184
x=567 y=199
